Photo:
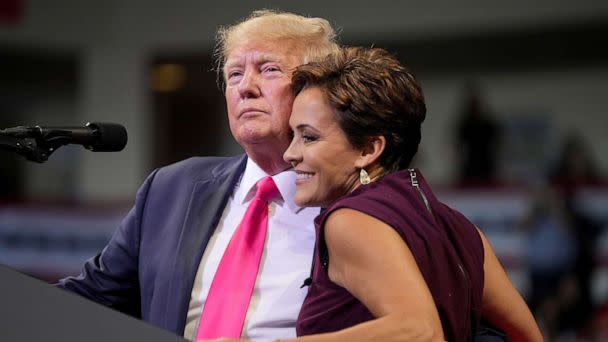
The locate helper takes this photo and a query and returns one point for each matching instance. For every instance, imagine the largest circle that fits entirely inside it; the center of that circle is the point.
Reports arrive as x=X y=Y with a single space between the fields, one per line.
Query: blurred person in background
x=550 y=254
x=576 y=291
x=575 y=166
x=574 y=170
x=478 y=138
x=392 y=263
x=560 y=255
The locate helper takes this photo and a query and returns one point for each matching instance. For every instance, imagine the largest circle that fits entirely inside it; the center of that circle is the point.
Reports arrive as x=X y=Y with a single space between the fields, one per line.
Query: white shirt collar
x=285 y=181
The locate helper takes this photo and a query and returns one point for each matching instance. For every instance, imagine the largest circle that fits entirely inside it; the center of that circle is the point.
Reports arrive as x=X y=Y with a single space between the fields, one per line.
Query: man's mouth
x=250 y=112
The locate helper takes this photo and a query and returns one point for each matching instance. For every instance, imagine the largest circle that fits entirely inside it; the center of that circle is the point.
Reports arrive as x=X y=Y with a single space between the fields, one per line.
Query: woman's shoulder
x=385 y=199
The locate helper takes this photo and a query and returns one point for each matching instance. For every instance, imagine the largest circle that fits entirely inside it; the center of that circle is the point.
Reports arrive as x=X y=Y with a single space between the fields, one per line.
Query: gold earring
x=364 y=177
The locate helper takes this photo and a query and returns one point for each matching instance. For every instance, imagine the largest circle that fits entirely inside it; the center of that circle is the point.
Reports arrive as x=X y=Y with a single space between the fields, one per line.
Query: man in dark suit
x=159 y=264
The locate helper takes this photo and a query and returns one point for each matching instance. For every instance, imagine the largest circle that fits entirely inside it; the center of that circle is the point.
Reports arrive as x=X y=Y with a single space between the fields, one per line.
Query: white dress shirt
x=286 y=259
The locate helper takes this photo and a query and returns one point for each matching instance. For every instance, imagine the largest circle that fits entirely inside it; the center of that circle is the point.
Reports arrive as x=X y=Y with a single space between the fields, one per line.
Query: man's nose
x=249 y=85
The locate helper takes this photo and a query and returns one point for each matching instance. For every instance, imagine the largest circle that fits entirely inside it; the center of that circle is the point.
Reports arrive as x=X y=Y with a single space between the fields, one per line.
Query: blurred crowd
x=561 y=251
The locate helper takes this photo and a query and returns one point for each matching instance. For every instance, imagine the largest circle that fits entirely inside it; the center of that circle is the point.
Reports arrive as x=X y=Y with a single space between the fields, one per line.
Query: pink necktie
x=230 y=293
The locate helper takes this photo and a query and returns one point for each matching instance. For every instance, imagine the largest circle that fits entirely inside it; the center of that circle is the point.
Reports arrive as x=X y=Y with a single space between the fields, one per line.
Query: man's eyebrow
x=267 y=57
x=231 y=63
x=262 y=58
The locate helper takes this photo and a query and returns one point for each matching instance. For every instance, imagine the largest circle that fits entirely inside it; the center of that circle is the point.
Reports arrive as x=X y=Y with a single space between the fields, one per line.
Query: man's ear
x=371 y=152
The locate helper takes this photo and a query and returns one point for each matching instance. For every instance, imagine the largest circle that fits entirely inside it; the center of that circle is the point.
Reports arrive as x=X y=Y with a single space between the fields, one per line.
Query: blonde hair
x=314 y=35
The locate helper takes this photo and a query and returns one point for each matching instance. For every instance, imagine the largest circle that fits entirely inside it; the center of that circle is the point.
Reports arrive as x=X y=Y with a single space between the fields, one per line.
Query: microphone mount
x=33 y=149
x=38 y=143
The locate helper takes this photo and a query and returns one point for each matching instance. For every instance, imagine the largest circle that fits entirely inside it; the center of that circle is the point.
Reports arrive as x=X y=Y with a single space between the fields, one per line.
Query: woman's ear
x=371 y=152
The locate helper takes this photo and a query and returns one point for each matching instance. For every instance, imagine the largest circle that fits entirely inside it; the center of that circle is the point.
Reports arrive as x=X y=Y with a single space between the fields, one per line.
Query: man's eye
x=234 y=74
x=271 y=68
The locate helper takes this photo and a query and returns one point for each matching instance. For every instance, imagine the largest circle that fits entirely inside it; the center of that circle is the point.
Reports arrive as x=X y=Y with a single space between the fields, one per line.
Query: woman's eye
x=308 y=138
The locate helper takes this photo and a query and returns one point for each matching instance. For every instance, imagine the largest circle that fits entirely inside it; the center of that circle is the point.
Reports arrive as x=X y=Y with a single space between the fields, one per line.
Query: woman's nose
x=291 y=155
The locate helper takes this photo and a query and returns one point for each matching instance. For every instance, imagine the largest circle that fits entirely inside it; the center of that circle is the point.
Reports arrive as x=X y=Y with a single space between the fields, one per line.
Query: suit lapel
x=207 y=203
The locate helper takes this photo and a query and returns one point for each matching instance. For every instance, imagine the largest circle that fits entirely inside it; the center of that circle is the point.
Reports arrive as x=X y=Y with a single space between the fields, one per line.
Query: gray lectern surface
x=32 y=310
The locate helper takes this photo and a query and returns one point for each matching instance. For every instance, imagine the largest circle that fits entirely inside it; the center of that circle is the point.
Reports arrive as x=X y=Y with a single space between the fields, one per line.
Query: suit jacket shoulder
x=197 y=169
x=148 y=267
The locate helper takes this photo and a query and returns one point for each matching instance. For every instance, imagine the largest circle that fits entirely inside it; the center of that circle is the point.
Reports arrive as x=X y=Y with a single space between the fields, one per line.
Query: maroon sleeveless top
x=446 y=246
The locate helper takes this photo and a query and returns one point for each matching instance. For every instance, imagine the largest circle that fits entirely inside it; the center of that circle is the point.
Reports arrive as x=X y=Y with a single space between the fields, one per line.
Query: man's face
x=258 y=91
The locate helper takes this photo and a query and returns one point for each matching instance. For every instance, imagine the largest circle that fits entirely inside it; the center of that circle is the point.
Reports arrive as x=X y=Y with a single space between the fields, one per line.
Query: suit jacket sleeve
x=111 y=277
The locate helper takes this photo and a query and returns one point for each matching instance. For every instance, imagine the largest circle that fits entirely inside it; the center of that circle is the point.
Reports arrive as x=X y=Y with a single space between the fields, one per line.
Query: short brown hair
x=373 y=94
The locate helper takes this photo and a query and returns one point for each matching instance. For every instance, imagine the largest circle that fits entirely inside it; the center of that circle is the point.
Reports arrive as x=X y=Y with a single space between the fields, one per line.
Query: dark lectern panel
x=31 y=310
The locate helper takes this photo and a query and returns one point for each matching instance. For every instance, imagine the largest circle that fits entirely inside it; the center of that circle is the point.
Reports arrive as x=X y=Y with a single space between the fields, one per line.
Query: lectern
x=32 y=310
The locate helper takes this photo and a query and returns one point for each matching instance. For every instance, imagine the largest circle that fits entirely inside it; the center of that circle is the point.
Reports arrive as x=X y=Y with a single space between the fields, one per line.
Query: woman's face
x=323 y=159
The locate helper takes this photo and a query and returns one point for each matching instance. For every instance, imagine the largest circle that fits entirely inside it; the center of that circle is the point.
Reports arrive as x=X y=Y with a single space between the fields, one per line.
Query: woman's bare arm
x=502 y=304
x=370 y=260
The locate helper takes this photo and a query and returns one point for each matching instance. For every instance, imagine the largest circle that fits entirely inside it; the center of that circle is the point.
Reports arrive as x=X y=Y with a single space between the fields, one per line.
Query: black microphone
x=95 y=136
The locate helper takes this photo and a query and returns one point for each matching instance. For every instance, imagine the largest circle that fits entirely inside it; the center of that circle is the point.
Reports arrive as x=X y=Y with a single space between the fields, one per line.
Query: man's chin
x=253 y=140
x=258 y=136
